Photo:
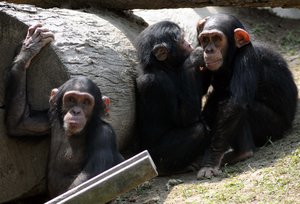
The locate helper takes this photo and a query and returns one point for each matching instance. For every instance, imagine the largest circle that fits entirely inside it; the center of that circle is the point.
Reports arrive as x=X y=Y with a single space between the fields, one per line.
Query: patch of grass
x=191 y=190
x=260 y=28
x=295 y=157
x=276 y=183
x=143 y=188
x=280 y=181
x=231 y=171
x=291 y=42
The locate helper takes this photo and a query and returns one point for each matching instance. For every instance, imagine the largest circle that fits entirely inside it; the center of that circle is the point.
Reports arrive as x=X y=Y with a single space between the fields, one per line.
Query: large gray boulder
x=96 y=44
x=158 y=4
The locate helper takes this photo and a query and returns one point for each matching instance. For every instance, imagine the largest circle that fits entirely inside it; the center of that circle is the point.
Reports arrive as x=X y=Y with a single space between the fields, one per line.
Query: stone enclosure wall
x=96 y=44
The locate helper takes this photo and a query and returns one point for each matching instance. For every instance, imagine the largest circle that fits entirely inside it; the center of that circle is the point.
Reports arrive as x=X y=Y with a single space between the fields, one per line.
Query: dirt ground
x=273 y=174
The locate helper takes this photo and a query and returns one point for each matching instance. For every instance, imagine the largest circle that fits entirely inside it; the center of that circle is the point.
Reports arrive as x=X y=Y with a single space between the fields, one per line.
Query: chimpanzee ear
x=160 y=51
x=52 y=95
x=200 y=24
x=106 y=104
x=241 y=37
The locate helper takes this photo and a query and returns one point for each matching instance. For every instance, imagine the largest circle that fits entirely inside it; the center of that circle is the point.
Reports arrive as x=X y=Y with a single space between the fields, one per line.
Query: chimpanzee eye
x=217 y=39
x=71 y=100
x=86 y=102
x=204 y=41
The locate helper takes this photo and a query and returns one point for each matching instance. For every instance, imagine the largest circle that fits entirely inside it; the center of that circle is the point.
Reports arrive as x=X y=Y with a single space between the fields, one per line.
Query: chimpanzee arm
x=195 y=63
x=20 y=120
x=156 y=106
x=171 y=131
x=102 y=154
x=232 y=112
x=242 y=90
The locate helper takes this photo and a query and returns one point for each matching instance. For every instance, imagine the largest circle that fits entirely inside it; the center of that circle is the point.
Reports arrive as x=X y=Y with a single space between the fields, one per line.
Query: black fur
x=73 y=158
x=169 y=100
x=96 y=144
x=254 y=96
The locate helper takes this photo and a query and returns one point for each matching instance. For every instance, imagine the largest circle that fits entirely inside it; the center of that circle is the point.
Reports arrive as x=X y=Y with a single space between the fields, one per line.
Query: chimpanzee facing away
x=82 y=144
x=254 y=96
x=169 y=92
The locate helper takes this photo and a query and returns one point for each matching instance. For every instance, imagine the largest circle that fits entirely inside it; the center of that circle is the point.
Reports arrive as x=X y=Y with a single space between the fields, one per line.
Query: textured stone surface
x=96 y=44
x=159 y=4
x=22 y=165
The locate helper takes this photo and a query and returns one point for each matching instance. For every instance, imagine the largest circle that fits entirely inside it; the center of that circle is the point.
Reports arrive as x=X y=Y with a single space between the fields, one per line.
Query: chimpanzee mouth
x=214 y=64
x=74 y=123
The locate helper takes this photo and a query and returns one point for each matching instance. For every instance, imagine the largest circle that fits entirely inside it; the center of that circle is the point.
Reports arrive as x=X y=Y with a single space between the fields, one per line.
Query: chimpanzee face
x=181 y=50
x=184 y=47
x=77 y=109
x=214 y=44
x=219 y=36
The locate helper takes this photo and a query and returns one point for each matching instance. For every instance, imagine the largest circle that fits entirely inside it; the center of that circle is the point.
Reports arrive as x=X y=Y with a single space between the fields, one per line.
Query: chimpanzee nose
x=76 y=110
x=209 y=50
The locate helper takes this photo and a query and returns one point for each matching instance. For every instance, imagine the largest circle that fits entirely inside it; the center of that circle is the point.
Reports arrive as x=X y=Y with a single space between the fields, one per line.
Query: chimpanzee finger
x=31 y=41
x=45 y=41
x=47 y=35
x=32 y=29
x=35 y=39
x=208 y=172
x=38 y=31
x=43 y=30
x=37 y=35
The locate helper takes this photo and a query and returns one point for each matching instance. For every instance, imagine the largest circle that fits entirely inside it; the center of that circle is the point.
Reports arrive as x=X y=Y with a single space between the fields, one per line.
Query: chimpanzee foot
x=196 y=164
x=208 y=172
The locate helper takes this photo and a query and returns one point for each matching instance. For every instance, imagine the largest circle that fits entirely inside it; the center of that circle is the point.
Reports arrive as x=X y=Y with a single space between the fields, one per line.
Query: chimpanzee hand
x=36 y=38
x=208 y=172
x=196 y=57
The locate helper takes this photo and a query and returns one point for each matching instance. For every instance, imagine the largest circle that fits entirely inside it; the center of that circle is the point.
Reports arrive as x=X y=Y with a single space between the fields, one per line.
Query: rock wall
x=96 y=44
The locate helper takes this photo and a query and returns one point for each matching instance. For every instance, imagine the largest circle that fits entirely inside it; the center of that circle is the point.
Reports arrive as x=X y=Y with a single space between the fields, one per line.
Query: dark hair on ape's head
x=166 y=32
x=227 y=24
x=81 y=84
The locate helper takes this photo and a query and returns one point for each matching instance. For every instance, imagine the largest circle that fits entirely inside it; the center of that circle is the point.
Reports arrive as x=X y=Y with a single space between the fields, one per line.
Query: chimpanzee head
x=75 y=103
x=220 y=36
x=162 y=42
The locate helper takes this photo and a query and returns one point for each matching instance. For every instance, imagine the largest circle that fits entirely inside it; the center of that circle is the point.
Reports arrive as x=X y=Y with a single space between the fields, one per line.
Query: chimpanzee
x=169 y=94
x=254 y=96
x=82 y=144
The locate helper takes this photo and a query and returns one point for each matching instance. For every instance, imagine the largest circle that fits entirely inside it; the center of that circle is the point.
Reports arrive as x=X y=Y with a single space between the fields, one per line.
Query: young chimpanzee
x=82 y=144
x=169 y=91
x=254 y=96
